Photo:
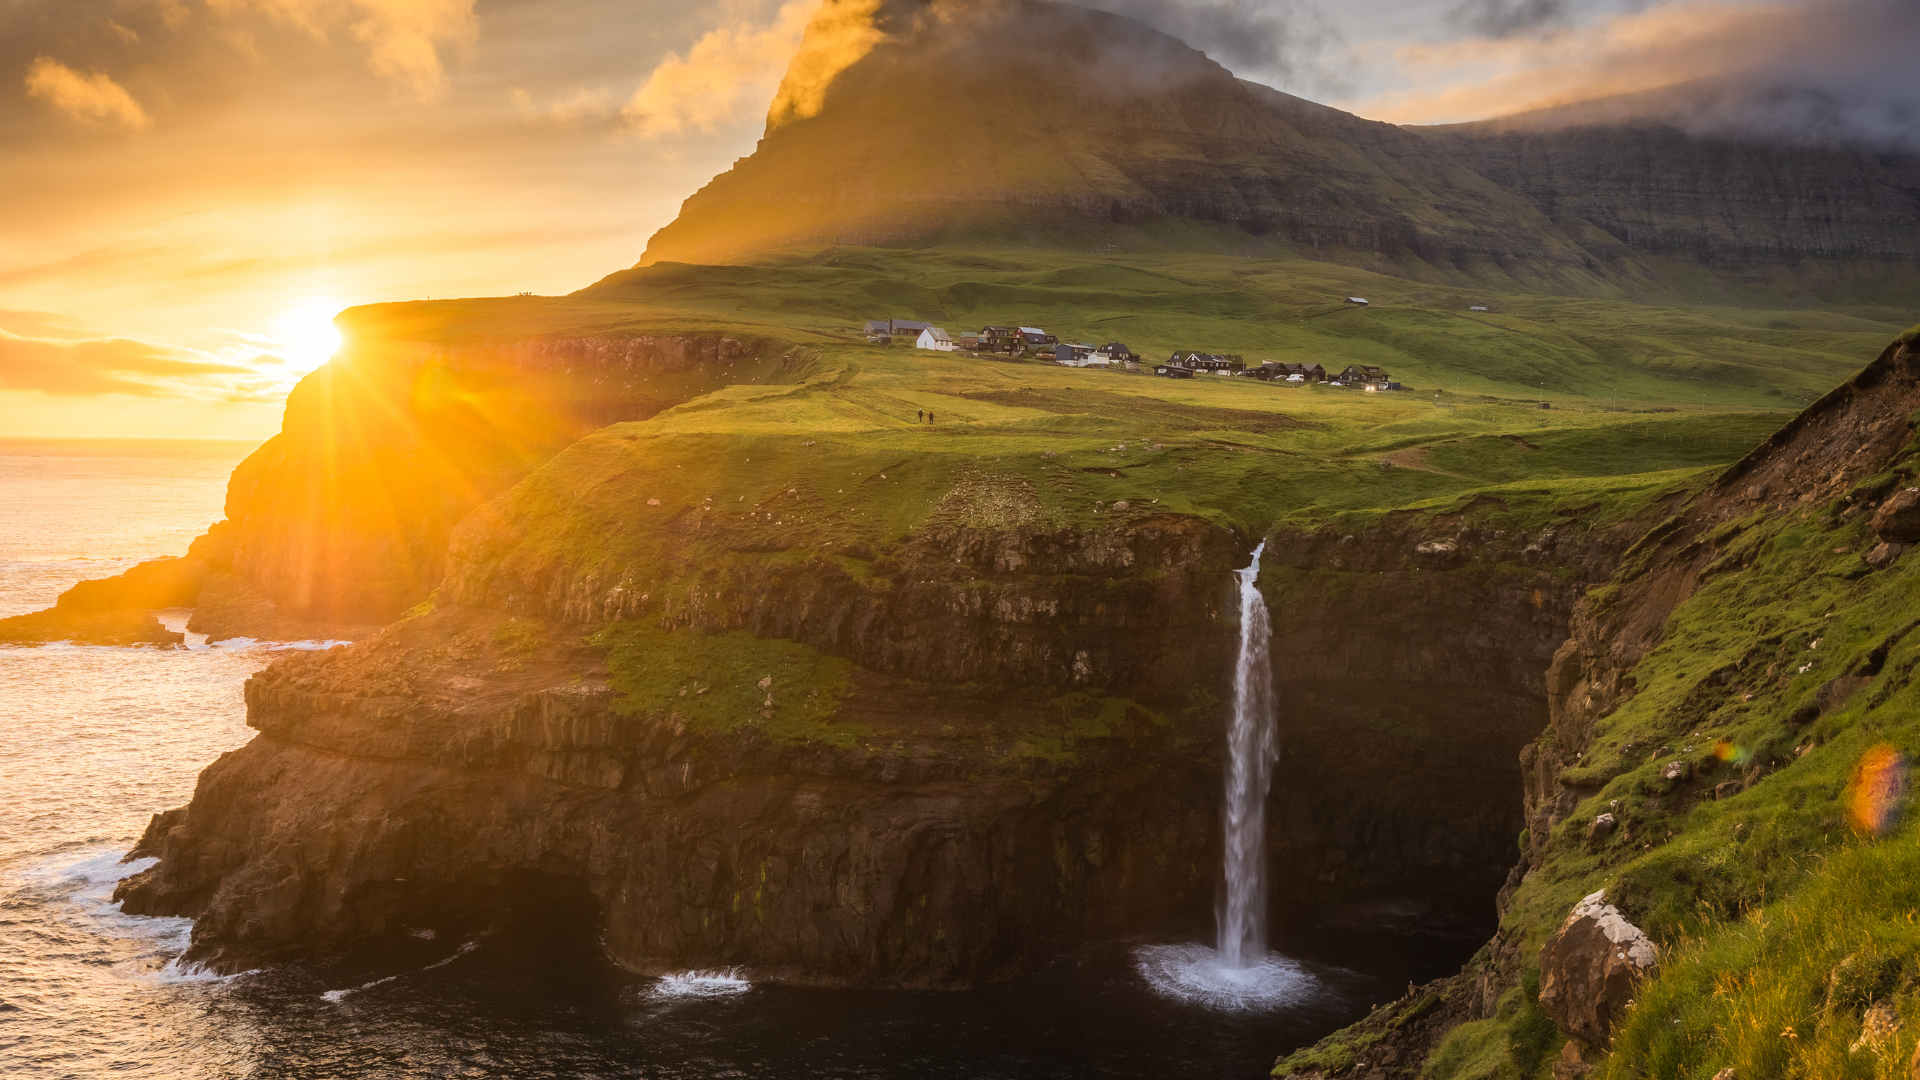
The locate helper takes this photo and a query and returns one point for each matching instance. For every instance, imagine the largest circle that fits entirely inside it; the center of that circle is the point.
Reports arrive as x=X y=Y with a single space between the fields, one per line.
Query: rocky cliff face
x=343 y=517
x=917 y=827
x=925 y=763
x=1721 y=201
x=1135 y=131
x=1411 y=665
x=340 y=522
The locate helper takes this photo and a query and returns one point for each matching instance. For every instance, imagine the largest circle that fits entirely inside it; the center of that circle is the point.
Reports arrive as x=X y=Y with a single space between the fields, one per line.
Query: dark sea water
x=95 y=740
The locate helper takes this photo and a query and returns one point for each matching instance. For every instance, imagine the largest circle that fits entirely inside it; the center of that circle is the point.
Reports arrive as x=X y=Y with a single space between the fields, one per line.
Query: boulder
x=1834 y=692
x=1883 y=554
x=1602 y=827
x=1589 y=969
x=1898 y=519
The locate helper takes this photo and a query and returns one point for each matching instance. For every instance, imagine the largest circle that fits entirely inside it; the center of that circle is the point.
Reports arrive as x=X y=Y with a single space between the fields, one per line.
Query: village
x=1017 y=342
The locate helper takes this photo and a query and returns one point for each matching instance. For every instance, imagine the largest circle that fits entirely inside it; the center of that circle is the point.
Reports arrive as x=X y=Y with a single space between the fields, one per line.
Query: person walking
x=919 y=415
x=929 y=416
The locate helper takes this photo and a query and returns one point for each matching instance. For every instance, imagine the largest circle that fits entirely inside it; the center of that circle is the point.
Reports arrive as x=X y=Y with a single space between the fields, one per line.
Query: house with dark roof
x=1075 y=354
x=1370 y=376
x=883 y=331
x=1282 y=371
x=1208 y=363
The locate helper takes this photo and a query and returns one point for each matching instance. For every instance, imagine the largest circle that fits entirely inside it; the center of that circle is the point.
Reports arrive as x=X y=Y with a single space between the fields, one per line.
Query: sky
x=191 y=188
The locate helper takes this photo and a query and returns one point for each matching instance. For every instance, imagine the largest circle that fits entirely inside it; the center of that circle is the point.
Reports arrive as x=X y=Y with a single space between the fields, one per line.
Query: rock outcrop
x=115 y=611
x=1590 y=968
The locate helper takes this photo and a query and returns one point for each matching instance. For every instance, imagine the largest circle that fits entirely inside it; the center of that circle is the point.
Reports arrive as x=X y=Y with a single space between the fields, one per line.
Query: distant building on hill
x=1477 y=307
x=1114 y=352
x=883 y=331
x=1035 y=337
x=934 y=338
x=1361 y=300
x=1075 y=354
x=1208 y=363
x=1367 y=376
x=1172 y=371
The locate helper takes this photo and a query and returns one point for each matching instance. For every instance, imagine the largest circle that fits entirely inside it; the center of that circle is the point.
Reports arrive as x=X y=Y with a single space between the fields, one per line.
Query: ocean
x=93 y=741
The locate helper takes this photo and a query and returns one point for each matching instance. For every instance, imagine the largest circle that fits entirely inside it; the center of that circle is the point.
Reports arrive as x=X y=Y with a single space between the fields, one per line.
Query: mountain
x=1028 y=121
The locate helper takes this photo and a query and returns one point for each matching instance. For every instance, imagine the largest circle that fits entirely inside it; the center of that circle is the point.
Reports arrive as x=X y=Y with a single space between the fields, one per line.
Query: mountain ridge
x=920 y=141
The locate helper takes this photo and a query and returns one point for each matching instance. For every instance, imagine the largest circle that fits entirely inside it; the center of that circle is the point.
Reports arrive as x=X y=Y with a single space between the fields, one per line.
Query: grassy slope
x=1569 y=350
x=1783 y=919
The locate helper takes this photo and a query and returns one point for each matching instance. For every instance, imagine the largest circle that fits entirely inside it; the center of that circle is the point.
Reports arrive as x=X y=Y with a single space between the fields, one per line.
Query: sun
x=304 y=335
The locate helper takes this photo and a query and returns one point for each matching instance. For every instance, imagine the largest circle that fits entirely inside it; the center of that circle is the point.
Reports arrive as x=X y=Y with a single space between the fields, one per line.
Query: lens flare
x=1878 y=787
x=1727 y=751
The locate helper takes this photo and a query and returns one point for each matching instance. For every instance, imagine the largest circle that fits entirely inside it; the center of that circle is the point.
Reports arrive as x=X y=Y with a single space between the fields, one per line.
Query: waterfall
x=1251 y=749
x=1238 y=973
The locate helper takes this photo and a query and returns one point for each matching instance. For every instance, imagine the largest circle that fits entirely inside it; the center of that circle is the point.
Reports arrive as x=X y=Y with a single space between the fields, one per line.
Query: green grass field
x=1571 y=351
x=1633 y=389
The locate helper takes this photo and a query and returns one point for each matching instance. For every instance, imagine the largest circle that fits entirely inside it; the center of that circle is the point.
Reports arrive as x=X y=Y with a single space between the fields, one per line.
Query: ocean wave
x=80 y=894
x=337 y=996
x=711 y=983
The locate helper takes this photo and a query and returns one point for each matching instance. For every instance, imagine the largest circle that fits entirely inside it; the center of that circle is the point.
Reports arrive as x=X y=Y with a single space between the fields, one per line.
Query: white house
x=1078 y=354
x=934 y=338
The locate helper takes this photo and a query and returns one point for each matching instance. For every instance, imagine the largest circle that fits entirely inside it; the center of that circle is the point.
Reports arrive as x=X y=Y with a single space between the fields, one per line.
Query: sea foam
x=716 y=982
x=1197 y=975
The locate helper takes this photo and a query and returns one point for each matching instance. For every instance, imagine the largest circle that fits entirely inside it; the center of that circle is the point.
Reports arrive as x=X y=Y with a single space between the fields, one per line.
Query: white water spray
x=1239 y=972
x=1251 y=749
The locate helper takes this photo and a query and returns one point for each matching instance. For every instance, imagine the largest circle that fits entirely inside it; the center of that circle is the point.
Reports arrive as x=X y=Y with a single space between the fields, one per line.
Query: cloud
x=1819 y=69
x=93 y=366
x=87 y=98
x=1289 y=41
x=579 y=105
x=725 y=77
x=839 y=33
x=1504 y=18
x=43 y=324
x=404 y=38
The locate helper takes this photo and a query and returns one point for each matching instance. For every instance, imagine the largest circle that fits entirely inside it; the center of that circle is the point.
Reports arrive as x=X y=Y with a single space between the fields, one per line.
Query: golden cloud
x=403 y=37
x=92 y=366
x=725 y=76
x=88 y=98
x=840 y=32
